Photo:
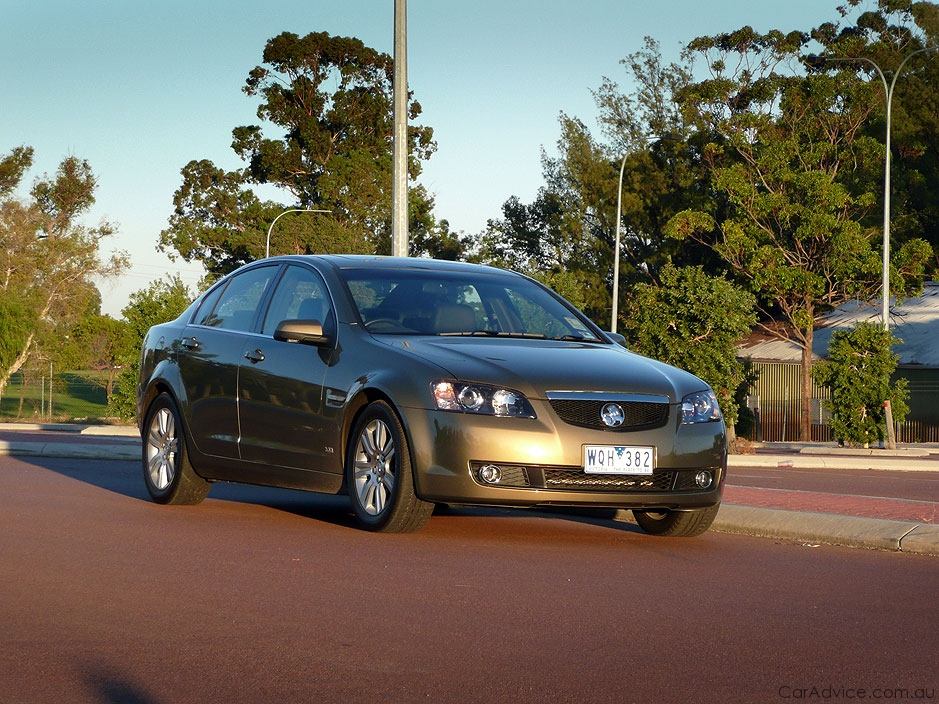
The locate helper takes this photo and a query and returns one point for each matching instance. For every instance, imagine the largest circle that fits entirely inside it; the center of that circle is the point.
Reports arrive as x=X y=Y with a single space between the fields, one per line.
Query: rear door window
x=238 y=303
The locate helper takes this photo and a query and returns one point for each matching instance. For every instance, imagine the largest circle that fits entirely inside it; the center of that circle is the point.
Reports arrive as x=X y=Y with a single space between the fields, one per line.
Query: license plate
x=618 y=459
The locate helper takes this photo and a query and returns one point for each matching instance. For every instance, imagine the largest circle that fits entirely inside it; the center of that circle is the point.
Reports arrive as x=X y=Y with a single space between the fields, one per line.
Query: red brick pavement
x=818 y=502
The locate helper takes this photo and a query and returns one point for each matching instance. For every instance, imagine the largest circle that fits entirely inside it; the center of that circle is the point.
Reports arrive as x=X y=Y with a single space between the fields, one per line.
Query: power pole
x=399 y=185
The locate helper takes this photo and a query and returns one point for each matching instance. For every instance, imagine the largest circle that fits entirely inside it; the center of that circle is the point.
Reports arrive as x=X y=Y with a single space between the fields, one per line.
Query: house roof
x=915 y=322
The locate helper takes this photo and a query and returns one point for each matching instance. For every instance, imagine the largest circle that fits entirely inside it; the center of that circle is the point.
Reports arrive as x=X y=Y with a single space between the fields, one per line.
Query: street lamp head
x=267 y=246
x=815 y=61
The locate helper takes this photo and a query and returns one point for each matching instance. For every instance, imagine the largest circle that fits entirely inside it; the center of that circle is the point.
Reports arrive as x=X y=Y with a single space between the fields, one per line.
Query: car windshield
x=417 y=301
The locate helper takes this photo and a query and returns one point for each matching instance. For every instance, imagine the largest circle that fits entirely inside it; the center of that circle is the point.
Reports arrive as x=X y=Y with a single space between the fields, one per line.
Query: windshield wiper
x=576 y=338
x=494 y=333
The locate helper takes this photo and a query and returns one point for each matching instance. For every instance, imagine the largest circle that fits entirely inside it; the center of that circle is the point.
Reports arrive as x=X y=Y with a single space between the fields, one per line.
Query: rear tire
x=677 y=524
x=169 y=476
x=379 y=474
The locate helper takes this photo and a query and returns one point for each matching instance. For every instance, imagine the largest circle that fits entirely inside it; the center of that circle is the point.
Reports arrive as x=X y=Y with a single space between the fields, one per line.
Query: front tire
x=380 y=476
x=169 y=476
x=677 y=524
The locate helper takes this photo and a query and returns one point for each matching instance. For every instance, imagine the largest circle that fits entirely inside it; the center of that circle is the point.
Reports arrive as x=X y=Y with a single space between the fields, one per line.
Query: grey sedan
x=406 y=383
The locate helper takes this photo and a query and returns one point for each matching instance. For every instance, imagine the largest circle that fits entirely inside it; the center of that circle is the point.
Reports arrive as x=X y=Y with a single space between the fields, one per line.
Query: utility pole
x=399 y=185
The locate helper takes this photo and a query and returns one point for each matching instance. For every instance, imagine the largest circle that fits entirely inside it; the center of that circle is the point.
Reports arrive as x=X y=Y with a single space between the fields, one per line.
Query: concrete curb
x=812 y=461
x=850 y=531
x=115 y=431
x=118 y=450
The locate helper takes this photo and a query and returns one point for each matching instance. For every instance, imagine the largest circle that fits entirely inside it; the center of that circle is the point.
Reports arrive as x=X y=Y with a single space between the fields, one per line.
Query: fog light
x=703 y=479
x=490 y=474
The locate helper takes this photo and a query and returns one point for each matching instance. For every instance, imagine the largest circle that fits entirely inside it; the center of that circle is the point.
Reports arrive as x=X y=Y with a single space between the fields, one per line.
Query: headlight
x=480 y=398
x=700 y=407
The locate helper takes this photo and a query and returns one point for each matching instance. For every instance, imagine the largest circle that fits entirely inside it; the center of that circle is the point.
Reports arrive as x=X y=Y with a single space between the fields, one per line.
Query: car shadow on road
x=124 y=478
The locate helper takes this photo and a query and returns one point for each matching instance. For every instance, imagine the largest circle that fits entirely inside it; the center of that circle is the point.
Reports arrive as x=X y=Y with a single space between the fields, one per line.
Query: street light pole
x=399 y=184
x=267 y=246
x=619 y=215
x=888 y=94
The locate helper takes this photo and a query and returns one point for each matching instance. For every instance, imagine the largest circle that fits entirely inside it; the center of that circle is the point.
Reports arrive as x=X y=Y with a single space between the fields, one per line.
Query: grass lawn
x=74 y=397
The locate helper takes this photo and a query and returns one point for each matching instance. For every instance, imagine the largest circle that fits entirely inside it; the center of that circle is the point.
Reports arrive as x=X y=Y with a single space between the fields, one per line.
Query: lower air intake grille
x=576 y=479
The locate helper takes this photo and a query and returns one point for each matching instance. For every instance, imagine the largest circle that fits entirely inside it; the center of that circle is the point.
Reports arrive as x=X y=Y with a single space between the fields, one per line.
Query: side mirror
x=617 y=338
x=306 y=332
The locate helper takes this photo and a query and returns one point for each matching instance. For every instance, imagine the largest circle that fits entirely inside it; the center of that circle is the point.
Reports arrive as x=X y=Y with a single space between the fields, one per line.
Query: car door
x=281 y=383
x=210 y=353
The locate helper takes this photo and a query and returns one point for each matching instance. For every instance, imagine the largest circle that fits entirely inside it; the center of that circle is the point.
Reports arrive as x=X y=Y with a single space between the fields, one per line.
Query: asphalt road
x=274 y=596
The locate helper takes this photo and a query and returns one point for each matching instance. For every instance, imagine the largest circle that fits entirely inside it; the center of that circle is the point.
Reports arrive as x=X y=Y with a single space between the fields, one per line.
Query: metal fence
x=775 y=399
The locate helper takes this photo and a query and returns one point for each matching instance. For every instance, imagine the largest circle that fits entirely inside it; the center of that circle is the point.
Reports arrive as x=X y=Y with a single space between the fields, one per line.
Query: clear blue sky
x=139 y=88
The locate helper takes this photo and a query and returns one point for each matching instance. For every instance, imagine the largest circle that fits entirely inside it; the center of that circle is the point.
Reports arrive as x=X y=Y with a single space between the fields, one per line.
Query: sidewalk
x=857 y=521
x=898 y=525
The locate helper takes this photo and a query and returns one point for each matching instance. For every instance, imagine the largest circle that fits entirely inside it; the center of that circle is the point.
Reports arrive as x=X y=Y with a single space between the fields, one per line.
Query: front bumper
x=541 y=462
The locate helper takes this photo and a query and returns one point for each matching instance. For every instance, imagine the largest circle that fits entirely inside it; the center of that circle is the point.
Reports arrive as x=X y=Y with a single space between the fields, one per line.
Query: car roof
x=371 y=261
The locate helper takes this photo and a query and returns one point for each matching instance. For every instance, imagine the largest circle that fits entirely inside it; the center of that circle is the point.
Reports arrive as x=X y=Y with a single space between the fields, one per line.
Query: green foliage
x=693 y=321
x=329 y=100
x=162 y=301
x=12 y=168
x=439 y=242
x=858 y=371
x=886 y=36
x=216 y=220
x=792 y=229
x=95 y=344
x=14 y=329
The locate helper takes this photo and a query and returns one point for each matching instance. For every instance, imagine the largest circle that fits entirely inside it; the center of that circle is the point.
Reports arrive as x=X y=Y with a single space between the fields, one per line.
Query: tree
x=163 y=300
x=800 y=179
x=858 y=372
x=330 y=100
x=48 y=258
x=693 y=321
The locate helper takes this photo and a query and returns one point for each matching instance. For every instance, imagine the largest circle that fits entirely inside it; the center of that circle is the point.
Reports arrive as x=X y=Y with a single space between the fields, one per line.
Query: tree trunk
x=17 y=363
x=805 y=413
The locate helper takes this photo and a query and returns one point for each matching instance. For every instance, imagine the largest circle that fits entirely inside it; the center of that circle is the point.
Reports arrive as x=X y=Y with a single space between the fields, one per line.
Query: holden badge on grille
x=612 y=415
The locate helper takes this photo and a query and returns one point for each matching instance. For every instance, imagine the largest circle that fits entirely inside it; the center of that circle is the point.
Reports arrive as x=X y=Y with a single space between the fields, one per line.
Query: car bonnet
x=535 y=367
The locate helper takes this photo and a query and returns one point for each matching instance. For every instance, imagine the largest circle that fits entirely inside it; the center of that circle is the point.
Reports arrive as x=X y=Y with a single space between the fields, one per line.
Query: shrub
x=858 y=372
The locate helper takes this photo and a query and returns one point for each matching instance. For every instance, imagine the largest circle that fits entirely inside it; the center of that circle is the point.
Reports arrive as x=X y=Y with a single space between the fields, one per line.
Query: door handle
x=255 y=356
x=190 y=343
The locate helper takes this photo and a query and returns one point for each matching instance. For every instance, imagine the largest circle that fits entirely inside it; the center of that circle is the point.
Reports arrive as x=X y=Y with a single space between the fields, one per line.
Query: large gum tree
x=325 y=140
